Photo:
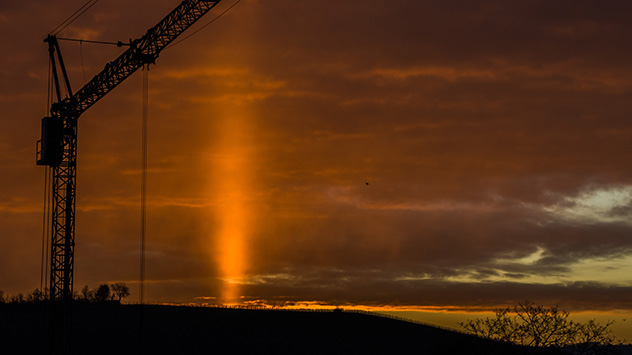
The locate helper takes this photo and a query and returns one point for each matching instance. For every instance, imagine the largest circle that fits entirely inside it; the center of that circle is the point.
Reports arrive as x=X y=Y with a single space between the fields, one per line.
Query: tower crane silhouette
x=58 y=145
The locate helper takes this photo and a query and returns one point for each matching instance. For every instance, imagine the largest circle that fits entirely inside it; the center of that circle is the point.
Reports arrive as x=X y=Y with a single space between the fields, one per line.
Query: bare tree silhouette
x=538 y=326
x=120 y=290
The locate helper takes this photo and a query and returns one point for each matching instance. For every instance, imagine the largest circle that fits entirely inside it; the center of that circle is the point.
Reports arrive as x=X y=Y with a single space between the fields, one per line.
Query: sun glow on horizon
x=232 y=251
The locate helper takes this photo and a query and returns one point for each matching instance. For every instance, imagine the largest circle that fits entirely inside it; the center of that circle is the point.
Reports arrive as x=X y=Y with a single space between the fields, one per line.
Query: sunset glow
x=230 y=248
x=398 y=155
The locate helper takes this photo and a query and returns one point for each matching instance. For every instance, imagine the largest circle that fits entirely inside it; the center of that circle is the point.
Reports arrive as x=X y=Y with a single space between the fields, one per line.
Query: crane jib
x=58 y=147
x=141 y=51
x=144 y=50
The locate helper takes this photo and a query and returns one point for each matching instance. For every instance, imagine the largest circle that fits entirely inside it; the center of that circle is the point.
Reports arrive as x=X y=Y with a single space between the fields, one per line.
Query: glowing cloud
x=596 y=205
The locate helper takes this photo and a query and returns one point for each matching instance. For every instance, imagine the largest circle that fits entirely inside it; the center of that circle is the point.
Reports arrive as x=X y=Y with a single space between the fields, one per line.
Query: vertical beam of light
x=232 y=181
x=233 y=157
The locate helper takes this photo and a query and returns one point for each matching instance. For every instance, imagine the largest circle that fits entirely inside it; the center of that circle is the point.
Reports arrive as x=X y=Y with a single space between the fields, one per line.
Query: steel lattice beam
x=141 y=52
x=61 y=129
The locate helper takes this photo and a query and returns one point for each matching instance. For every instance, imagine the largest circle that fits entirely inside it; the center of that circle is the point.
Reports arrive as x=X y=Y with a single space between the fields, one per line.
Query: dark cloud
x=373 y=290
x=480 y=126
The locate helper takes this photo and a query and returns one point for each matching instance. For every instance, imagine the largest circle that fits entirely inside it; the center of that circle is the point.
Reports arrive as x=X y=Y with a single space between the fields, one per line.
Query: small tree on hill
x=120 y=290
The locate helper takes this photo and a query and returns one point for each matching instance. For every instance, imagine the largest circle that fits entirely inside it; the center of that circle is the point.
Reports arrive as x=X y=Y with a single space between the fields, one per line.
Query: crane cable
x=48 y=175
x=46 y=219
x=143 y=188
x=47 y=197
x=143 y=207
x=45 y=230
x=83 y=68
x=82 y=10
x=204 y=26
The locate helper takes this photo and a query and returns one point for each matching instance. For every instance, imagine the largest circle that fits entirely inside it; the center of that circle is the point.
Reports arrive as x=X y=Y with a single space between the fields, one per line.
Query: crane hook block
x=50 y=147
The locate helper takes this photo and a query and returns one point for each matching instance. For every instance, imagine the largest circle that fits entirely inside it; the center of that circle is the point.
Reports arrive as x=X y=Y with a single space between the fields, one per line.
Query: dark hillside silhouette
x=113 y=328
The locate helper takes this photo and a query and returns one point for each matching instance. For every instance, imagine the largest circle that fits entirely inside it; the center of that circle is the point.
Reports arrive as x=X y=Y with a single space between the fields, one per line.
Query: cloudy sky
x=494 y=137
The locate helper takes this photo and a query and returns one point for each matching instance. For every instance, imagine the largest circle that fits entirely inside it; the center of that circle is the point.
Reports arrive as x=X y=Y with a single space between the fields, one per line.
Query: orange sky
x=494 y=136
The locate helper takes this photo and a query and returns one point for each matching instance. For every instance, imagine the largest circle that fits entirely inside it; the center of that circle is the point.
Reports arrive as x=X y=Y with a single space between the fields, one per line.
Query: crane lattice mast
x=58 y=145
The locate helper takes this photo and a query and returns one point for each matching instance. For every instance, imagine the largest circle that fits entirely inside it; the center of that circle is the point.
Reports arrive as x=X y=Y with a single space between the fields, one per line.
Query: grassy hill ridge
x=115 y=329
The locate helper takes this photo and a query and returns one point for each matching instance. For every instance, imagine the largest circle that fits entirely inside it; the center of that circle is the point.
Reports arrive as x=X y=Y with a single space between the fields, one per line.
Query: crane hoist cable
x=143 y=184
x=143 y=206
x=82 y=10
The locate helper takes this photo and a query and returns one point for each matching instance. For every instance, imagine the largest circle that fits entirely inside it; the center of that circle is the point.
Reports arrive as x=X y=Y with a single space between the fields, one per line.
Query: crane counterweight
x=49 y=148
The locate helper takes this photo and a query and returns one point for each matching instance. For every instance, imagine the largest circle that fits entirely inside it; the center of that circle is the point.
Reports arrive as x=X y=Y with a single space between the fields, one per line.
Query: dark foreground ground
x=115 y=329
